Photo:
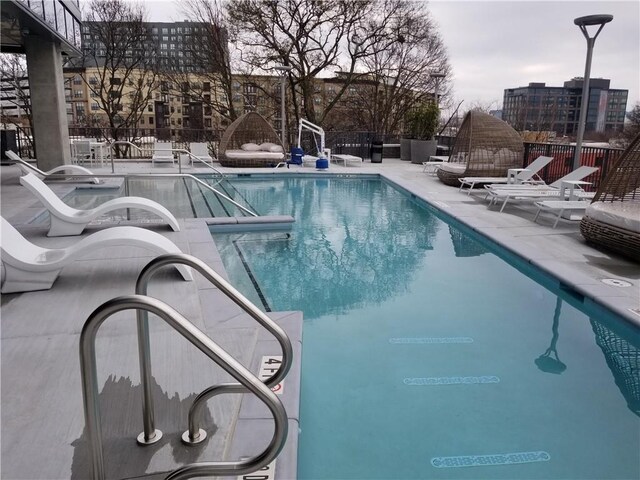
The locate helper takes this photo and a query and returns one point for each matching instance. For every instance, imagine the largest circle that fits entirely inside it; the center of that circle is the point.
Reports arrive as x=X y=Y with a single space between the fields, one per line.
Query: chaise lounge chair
x=523 y=175
x=162 y=153
x=28 y=267
x=532 y=193
x=28 y=168
x=201 y=152
x=66 y=220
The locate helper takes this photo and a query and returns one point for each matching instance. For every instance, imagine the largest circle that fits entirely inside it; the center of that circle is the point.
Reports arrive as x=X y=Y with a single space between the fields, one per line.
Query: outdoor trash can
x=296 y=156
x=376 y=151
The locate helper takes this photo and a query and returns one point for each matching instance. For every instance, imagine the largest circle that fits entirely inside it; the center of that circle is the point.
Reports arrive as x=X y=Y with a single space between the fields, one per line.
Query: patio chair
x=612 y=220
x=201 y=151
x=82 y=152
x=26 y=167
x=66 y=220
x=554 y=191
x=28 y=267
x=520 y=175
x=162 y=153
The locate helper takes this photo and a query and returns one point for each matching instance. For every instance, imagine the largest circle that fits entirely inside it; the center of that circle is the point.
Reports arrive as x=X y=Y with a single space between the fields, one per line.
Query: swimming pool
x=428 y=353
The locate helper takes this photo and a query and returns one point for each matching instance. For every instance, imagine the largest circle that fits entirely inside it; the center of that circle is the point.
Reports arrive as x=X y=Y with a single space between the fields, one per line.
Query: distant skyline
x=494 y=45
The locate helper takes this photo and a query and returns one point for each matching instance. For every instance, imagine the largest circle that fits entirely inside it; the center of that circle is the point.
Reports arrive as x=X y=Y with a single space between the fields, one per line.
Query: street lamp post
x=283 y=69
x=437 y=76
x=583 y=23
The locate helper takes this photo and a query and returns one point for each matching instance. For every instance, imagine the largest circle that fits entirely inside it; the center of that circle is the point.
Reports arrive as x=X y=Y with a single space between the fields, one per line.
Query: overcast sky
x=495 y=45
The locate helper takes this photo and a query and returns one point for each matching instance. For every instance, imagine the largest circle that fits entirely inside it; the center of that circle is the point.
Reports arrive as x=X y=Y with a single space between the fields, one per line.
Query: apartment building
x=540 y=107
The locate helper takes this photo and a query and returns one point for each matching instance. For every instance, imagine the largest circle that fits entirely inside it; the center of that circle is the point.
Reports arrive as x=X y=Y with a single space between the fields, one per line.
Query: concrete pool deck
x=42 y=420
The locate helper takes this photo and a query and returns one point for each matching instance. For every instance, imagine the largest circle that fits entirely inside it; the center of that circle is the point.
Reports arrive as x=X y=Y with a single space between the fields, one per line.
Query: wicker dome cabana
x=612 y=220
x=485 y=147
x=249 y=128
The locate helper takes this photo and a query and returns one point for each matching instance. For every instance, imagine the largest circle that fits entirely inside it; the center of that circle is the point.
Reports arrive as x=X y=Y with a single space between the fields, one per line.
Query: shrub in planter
x=423 y=123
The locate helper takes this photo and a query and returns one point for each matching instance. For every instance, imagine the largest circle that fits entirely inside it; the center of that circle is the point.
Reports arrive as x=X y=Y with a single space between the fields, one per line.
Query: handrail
x=183 y=326
x=153 y=175
x=195 y=434
x=119 y=142
x=181 y=150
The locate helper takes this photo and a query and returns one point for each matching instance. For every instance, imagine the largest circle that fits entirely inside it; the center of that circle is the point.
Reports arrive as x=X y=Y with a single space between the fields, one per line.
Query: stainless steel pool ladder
x=195 y=434
x=247 y=381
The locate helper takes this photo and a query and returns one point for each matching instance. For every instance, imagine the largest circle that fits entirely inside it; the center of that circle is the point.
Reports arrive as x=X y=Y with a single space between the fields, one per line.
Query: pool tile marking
x=490 y=460
x=431 y=381
x=268 y=472
x=421 y=340
x=269 y=364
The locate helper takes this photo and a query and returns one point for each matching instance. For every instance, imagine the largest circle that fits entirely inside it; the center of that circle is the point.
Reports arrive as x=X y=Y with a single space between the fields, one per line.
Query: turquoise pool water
x=426 y=354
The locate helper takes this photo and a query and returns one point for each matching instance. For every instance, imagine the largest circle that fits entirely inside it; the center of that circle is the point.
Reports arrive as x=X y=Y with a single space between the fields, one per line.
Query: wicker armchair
x=485 y=147
x=612 y=220
x=249 y=128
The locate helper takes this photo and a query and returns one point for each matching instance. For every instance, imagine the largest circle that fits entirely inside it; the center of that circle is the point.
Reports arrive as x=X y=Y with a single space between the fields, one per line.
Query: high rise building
x=539 y=107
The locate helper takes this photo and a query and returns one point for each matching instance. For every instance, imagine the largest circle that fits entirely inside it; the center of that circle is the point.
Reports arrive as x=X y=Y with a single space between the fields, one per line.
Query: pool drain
x=615 y=282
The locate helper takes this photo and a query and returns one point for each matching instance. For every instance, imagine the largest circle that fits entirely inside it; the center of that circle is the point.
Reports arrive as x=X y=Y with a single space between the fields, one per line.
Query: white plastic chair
x=28 y=168
x=162 y=153
x=200 y=150
x=83 y=153
x=523 y=175
x=28 y=267
x=66 y=220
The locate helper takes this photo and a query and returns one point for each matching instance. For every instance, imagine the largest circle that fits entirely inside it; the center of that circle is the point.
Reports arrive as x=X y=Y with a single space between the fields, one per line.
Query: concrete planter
x=421 y=150
x=405 y=149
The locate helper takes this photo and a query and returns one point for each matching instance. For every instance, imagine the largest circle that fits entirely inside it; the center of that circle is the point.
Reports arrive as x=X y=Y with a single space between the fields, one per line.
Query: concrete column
x=46 y=86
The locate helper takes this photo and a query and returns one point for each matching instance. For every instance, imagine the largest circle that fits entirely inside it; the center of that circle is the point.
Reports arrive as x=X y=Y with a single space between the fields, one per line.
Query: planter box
x=405 y=149
x=421 y=150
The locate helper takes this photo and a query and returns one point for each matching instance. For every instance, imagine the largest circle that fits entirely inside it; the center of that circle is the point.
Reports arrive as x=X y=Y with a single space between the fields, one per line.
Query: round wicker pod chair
x=485 y=147
x=612 y=220
x=249 y=128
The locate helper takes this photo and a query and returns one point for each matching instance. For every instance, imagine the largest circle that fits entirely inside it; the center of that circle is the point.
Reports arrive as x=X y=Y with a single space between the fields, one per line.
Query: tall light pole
x=437 y=76
x=283 y=69
x=583 y=23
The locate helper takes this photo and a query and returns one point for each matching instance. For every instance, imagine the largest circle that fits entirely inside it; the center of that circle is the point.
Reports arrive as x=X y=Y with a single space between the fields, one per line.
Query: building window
x=207 y=122
x=141 y=120
x=150 y=120
x=94 y=107
x=150 y=108
x=115 y=81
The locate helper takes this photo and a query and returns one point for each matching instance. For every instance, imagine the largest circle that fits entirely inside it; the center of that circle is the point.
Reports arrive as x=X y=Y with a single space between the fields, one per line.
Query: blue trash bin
x=296 y=156
x=322 y=163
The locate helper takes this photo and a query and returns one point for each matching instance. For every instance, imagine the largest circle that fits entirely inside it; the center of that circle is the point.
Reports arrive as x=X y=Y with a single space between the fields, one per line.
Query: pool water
x=428 y=355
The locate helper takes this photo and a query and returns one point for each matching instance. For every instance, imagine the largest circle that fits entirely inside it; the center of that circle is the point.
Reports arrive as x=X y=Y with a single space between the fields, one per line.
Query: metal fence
x=352 y=143
x=562 y=162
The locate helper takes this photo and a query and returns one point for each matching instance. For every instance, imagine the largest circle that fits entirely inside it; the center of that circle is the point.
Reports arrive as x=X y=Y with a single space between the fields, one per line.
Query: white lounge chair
x=554 y=191
x=28 y=168
x=66 y=220
x=201 y=151
x=28 y=267
x=162 y=153
x=522 y=175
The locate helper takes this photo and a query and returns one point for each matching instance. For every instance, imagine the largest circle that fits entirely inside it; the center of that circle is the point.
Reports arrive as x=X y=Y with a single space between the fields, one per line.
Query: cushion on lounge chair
x=457 y=168
x=240 y=154
x=250 y=147
x=625 y=215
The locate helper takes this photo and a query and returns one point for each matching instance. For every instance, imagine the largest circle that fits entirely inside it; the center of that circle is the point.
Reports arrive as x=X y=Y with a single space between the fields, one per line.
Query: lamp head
x=593 y=20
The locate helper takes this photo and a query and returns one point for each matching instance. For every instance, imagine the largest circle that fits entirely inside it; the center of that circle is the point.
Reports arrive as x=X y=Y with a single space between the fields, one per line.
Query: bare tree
x=207 y=52
x=311 y=37
x=120 y=68
x=15 y=94
x=404 y=50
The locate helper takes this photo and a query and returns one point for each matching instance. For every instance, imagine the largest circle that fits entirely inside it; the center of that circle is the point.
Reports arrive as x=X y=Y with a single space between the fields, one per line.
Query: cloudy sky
x=495 y=45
